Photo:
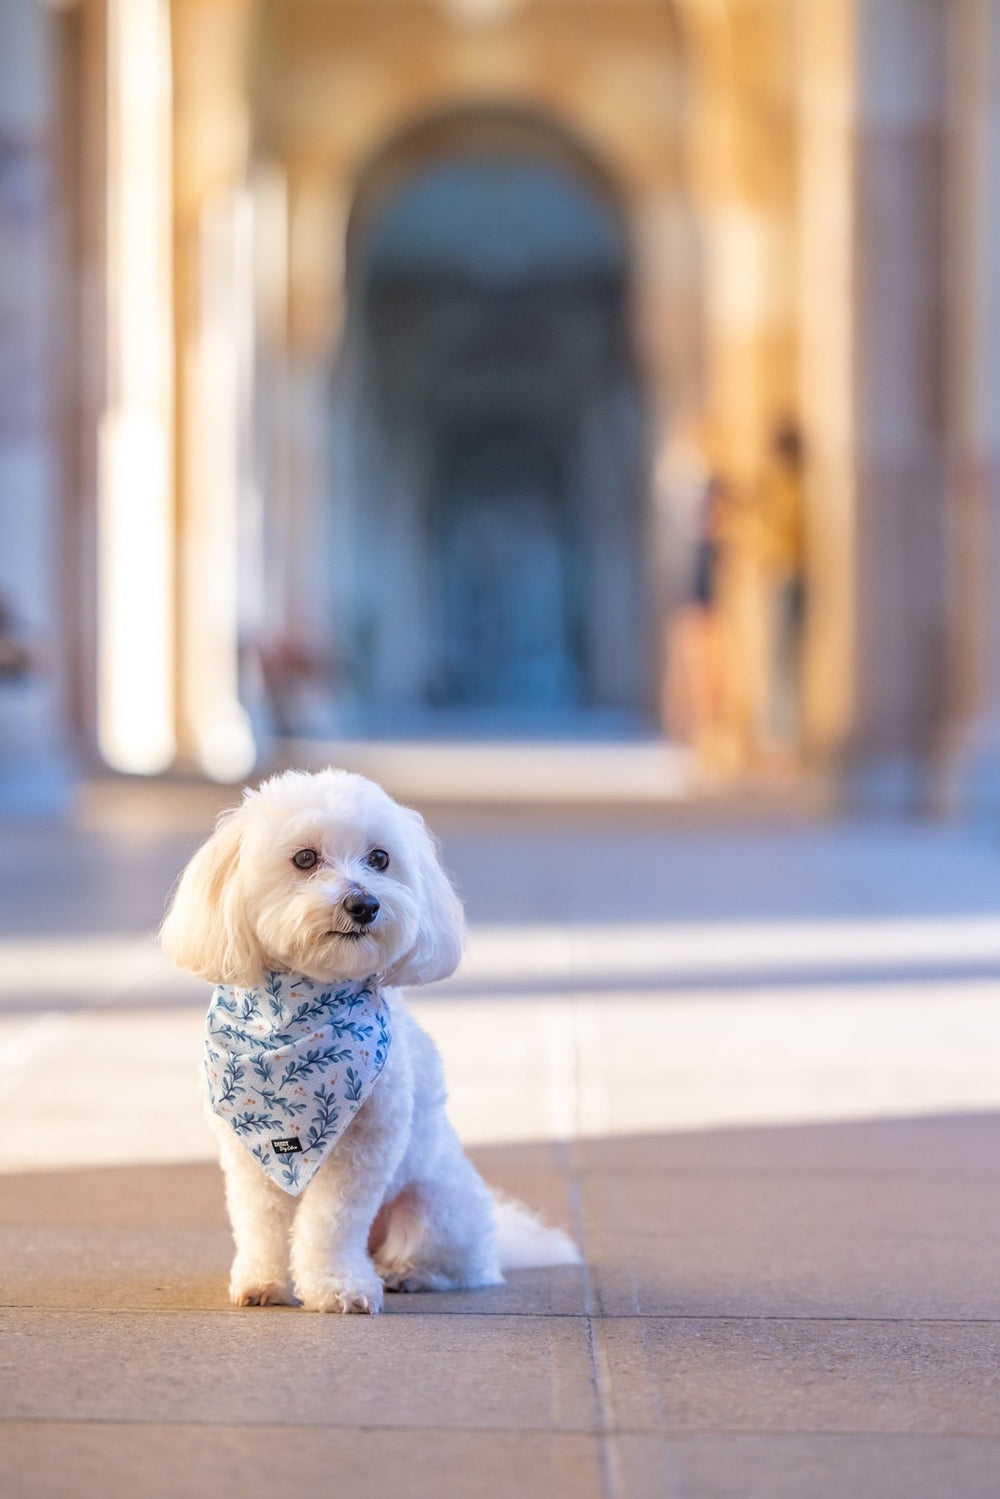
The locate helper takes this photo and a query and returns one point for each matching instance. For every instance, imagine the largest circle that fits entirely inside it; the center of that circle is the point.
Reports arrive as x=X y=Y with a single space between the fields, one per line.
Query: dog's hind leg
x=438 y=1236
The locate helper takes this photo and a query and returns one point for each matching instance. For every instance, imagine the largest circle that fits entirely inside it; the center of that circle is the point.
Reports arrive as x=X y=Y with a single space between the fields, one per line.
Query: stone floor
x=753 y=1068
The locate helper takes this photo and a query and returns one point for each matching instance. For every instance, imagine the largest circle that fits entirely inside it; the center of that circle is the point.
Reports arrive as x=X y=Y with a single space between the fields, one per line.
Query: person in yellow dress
x=781 y=523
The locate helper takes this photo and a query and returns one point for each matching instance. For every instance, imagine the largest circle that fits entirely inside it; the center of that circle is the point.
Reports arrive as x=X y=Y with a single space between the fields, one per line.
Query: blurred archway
x=490 y=449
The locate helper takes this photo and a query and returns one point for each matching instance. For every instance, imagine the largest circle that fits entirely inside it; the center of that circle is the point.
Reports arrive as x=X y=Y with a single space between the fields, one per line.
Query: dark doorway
x=495 y=426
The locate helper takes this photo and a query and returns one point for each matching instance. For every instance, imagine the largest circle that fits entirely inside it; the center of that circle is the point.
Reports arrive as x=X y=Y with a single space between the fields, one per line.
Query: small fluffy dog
x=306 y=907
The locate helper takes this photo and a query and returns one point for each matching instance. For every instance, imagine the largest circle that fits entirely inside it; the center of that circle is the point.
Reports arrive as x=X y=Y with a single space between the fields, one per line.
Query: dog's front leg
x=330 y=1261
x=261 y=1216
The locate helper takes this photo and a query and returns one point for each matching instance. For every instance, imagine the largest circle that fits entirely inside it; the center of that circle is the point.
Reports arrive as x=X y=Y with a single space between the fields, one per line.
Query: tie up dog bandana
x=289 y=1063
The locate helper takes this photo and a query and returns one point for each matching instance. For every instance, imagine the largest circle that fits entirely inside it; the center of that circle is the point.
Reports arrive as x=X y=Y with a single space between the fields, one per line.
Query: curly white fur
x=397 y=1203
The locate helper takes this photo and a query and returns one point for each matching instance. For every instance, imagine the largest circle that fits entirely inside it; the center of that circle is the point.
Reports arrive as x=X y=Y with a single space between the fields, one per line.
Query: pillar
x=826 y=227
x=968 y=772
x=34 y=749
x=213 y=300
x=900 y=657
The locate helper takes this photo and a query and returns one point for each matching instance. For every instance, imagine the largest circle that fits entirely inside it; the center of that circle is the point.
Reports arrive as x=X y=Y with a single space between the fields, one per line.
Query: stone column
x=213 y=301
x=899 y=413
x=80 y=383
x=135 y=574
x=969 y=766
x=826 y=186
x=33 y=730
x=319 y=509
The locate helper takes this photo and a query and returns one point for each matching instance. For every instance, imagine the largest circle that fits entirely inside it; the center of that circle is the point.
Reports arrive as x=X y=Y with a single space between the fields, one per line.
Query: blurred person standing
x=780 y=505
x=701 y=688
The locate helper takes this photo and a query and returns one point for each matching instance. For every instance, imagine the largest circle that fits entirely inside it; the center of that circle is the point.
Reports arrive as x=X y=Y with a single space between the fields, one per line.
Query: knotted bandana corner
x=289 y=1063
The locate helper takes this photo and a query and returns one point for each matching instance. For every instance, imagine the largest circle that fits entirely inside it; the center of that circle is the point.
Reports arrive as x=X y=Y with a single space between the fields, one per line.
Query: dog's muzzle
x=361 y=907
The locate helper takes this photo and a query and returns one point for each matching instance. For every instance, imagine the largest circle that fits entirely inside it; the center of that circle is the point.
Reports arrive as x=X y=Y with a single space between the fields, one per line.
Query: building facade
x=387 y=337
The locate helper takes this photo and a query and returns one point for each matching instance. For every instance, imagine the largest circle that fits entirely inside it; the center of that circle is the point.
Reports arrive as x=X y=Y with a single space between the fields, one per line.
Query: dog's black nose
x=361 y=907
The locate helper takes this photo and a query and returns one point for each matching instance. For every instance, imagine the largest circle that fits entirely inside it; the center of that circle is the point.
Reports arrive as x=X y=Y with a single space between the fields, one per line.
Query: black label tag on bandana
x=287 y=1146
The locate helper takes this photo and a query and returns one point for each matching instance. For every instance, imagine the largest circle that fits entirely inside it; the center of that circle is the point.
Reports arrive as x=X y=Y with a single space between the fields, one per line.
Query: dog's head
x=323 y=875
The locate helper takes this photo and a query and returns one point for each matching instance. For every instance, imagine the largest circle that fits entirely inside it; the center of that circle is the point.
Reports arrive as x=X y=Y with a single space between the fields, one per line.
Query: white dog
x=307 y=905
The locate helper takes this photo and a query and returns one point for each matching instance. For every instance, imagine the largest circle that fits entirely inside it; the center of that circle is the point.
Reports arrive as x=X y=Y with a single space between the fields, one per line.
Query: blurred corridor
x=473 y=371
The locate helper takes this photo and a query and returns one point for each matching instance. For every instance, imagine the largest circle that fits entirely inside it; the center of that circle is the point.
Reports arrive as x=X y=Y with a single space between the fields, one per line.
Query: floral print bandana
x=289 y=1063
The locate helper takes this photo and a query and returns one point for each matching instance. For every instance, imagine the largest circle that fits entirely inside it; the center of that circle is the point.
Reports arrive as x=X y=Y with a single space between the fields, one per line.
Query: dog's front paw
x=363 y=1297
x=272 y=1293
x=269 y=1294
x=249 y=1289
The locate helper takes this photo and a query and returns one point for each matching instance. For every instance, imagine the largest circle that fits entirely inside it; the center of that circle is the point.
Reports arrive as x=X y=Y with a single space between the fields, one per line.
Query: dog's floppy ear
x=437 y=948
x=205 y=930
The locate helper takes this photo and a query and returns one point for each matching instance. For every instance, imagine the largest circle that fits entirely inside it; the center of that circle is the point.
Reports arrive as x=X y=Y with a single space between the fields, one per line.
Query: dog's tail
x=524 y=1243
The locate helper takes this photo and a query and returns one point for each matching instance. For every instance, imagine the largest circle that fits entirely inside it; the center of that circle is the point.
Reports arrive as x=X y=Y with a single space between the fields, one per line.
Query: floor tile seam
x=849 y=1433
x=597 y=1356
x=781 y=1173
x=840 y=1318
x=234 y=1314
x=590 y=1434
x=596 y=1318
x=601 y=1383
x=653 y=1236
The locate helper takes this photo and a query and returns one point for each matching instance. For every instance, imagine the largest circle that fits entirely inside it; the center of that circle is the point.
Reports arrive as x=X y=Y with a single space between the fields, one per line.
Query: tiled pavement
x=767 y=1102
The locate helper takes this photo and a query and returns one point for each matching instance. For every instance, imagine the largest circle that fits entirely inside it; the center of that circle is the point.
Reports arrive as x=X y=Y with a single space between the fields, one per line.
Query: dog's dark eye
x=305 y=858
x=378 y=859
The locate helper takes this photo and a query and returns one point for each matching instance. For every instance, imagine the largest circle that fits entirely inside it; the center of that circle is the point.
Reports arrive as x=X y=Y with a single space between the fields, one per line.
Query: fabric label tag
x=287 y=1146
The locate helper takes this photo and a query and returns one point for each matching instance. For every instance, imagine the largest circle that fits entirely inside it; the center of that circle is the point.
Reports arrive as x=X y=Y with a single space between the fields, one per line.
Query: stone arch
x=490 y=445
x=472 y=131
